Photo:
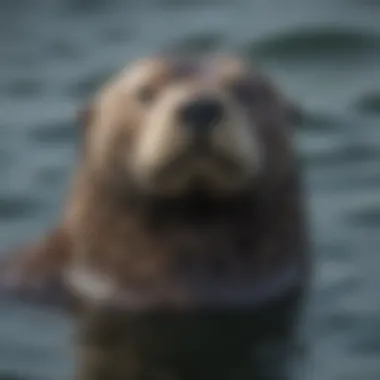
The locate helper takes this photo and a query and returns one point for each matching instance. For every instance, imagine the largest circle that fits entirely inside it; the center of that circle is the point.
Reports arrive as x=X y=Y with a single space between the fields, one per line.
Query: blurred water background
x=324 y=53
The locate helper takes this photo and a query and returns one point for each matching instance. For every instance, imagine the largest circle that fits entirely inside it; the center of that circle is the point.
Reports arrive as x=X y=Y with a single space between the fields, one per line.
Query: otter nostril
x=202 y=114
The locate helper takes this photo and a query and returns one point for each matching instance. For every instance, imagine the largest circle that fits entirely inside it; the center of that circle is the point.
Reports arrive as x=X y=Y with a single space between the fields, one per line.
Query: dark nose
x=202 y=114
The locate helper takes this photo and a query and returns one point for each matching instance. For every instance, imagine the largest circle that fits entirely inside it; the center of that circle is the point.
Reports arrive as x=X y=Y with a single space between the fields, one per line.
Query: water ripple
x=58 y=132
x=13 y=206
x=367 y=216
x=369 y=103
x=313 y=42
x=24 y=87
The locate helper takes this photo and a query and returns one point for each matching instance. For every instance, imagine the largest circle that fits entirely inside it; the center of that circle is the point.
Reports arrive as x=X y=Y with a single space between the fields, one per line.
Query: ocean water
x=325 y=54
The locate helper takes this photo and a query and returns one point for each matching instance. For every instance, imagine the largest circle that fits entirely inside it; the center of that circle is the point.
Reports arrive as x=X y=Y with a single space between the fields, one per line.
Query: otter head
x=168 y=126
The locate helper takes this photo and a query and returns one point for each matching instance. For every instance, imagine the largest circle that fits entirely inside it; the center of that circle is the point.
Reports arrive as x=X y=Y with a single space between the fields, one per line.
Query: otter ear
x=34 y=275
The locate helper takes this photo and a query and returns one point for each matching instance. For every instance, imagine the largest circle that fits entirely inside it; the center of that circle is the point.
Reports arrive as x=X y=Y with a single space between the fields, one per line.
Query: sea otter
x=183 y=245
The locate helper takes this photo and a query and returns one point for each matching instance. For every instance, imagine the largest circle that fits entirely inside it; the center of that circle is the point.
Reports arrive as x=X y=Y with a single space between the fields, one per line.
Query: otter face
x=171 y=125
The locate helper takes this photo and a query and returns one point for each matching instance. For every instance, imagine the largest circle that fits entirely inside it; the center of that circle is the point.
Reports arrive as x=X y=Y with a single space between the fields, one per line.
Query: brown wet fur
x=158 y=247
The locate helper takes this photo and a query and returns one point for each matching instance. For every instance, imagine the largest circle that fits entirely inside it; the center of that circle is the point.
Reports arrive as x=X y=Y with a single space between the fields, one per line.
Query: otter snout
x=200 y=115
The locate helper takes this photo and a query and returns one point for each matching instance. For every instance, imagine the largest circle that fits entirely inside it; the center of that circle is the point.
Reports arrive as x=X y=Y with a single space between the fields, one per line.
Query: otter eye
x=145 y=95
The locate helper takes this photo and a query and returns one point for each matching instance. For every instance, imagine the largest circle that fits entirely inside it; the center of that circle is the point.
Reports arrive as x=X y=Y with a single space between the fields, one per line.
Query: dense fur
x=155 y=225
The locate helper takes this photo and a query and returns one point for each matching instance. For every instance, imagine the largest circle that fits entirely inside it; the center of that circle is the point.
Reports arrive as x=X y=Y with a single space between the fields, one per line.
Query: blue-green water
x=324 y=53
